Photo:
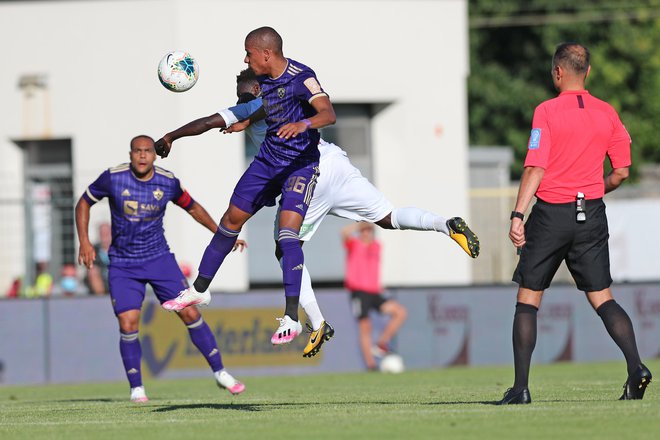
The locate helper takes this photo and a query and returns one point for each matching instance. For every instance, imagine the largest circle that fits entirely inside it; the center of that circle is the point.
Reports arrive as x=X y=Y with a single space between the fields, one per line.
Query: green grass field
x=569 y=401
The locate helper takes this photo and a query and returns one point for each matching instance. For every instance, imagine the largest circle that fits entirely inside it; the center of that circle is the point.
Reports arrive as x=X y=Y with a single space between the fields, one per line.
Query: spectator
x=97 y=276
x=43 y=282
x=363 y=281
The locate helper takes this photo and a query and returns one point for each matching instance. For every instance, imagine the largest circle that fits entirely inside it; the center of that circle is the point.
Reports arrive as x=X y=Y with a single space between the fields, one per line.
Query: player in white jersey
x=342 y=191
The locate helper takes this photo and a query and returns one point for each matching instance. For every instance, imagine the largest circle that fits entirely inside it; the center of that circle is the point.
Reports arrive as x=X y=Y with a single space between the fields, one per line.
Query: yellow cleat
x=317 y=338
x=461 y=234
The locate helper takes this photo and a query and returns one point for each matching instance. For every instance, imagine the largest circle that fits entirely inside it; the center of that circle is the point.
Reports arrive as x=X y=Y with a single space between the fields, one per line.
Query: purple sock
x=131 y=355
x=221 y=244
x=202 y=336
x=292 y=261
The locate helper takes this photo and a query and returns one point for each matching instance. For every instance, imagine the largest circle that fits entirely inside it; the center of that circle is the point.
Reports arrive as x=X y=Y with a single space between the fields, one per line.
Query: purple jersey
x=137 y=208
x=287 y=99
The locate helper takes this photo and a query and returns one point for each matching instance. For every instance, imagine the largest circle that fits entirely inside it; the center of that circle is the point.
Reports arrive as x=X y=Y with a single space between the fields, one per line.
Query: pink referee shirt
x=571 y=135
x=362 y=266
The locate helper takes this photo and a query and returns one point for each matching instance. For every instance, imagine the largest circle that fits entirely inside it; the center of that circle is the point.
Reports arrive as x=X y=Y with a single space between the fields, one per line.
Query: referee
x=571 y=135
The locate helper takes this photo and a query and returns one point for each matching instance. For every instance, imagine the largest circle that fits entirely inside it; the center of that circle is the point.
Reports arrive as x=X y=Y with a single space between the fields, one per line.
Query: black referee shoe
x=636 y=384
x=512 y=397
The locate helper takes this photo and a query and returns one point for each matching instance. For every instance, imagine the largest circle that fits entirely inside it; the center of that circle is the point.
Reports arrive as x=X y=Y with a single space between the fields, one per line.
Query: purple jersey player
x=287 y=164
x=138 y=193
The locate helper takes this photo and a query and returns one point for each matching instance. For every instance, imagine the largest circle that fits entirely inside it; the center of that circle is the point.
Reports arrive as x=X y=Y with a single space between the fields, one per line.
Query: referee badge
x=534 y=139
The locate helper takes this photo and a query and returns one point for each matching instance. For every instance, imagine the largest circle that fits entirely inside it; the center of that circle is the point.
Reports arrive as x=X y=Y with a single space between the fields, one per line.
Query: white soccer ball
x=392 y=363
x=178 y=71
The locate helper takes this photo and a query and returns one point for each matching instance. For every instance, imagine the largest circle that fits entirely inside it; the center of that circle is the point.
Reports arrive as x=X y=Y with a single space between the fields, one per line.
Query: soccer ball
x=392 y=363
x=178 y=71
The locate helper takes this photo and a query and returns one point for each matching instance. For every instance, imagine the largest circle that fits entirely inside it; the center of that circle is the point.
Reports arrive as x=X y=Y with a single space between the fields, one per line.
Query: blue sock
x=131 y=355
x=202 y=336
x=293 y=260
x=221 y=245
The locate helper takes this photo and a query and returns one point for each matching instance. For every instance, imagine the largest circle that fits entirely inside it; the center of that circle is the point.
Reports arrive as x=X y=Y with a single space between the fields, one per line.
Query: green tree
x=511 y=47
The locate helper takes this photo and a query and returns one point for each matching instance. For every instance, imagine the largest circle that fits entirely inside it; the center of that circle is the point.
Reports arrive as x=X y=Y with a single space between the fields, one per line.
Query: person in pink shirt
x=572 y=135
x=362 y=279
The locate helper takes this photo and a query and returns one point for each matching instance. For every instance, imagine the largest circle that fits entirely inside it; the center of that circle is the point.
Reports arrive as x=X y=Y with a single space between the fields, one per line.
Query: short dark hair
x=245 y=80
x=246 y=75
x=572 y=56
x=266 y=38
x=141 y=136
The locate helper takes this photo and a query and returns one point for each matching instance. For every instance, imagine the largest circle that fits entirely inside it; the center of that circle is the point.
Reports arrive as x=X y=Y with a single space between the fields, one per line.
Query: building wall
x=100 y=59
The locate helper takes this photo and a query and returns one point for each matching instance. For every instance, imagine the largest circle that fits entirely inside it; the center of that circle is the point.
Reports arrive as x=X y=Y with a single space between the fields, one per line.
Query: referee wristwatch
x=517 y=214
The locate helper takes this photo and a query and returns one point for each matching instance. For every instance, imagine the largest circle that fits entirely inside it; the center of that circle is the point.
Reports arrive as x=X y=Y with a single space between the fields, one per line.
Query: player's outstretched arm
x=202 y=217
x=86 y=254
x=194 y=128
x=325 y=115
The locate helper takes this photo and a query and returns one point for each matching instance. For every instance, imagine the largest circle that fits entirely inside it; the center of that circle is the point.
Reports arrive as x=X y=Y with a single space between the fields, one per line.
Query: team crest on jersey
x=312 y=85
x=130 y=207
x=281 y=92
x=158 y=194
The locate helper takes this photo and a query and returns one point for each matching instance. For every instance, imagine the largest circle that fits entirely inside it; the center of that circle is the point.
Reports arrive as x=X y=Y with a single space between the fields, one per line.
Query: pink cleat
x=227 y=382
x=188 y=297
x=138 y=395
x=287 y=331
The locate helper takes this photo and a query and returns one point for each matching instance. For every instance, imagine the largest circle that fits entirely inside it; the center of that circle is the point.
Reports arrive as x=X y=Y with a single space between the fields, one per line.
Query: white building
x=395 y=70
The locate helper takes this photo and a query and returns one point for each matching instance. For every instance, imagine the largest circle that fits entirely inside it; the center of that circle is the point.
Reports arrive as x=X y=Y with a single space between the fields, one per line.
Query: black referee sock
x=524 y=341
x=618 y=325
x=201 y=283
x=292 y=307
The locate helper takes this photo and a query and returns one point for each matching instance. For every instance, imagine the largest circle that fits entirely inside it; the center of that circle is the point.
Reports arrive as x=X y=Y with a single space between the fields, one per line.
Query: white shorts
x=342 y=191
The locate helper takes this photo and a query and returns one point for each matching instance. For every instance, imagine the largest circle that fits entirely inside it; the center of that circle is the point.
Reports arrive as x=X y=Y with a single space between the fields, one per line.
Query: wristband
x=517 y=214
x=307 y=122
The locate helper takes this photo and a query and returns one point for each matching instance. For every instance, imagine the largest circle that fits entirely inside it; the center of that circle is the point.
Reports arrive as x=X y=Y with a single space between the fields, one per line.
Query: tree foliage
x=511 y=48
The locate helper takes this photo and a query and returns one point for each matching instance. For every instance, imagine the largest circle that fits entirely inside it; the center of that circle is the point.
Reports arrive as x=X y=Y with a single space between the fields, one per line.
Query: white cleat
x=138 y=395
x=287 y=331
x=188 y=297
x=227 y=382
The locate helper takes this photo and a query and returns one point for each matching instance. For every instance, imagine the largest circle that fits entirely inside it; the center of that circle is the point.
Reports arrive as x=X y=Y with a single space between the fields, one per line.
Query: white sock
x=308 y=300
x=418 y=220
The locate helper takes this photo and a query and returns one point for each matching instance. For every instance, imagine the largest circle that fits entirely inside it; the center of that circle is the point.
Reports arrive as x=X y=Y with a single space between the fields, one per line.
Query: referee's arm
x=615 y=178
x=529 y=183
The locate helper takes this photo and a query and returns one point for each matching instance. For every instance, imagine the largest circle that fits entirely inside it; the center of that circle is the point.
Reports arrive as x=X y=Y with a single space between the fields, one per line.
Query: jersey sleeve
x=540 y=140
x=308 y=87
x=181 y=197
x=619 y=147
x=99 y=189
x=349 y=243
x=240 y=112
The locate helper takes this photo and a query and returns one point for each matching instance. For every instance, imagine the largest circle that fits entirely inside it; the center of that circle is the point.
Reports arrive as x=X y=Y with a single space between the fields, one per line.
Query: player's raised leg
x=412 y=218
x=221 y=245
x=292 y=268
x=320 y=330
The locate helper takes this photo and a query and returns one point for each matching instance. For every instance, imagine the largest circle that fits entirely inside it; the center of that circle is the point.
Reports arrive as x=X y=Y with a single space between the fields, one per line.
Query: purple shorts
x=262 y=182
x=128 y=282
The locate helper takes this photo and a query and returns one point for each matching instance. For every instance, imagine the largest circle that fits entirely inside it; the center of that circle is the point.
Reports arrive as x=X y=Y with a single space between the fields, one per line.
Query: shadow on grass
x=96 y=399
x=250 y=407
x=255 y=407
x=465 y=402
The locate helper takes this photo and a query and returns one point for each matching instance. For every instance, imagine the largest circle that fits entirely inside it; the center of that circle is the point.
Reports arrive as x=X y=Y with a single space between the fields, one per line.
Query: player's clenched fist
x=163 y=147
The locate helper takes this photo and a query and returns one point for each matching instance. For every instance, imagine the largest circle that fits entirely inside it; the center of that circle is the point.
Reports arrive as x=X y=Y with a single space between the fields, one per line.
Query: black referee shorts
x=363 y=302
x=553 y=234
